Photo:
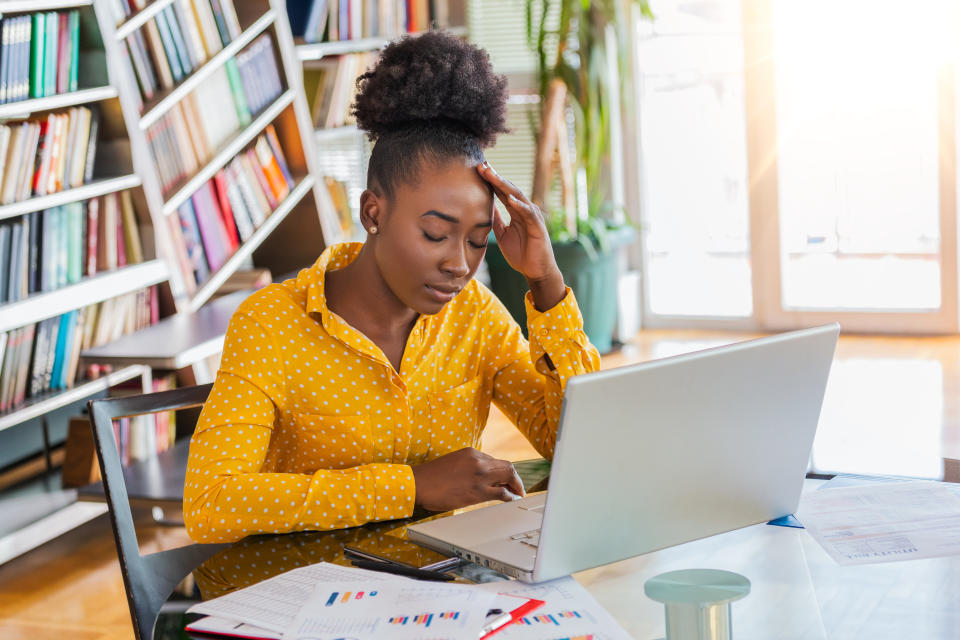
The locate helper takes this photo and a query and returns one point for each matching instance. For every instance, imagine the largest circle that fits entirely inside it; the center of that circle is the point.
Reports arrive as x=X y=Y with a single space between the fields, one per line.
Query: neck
x=359 y=294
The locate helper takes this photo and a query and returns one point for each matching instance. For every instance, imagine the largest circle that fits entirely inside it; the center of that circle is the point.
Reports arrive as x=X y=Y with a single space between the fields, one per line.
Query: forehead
x=452 y=187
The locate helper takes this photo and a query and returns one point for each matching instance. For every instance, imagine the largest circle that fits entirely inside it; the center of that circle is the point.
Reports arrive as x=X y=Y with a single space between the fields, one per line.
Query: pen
x=447 y=564
x=400 y=570
x=496 y=623
x=353 y=552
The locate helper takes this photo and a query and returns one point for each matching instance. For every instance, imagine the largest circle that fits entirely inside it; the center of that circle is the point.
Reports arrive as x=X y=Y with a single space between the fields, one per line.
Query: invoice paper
x=409 y=610
x=884 y=522
x=569 y=612
x=273 y=604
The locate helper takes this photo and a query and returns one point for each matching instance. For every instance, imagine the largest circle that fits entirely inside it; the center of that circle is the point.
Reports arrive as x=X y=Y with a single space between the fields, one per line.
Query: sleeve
x=226 y=496
x=525 y=385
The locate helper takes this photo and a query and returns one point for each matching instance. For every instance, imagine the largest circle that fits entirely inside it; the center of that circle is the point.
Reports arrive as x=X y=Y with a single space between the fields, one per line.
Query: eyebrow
x=449 y=218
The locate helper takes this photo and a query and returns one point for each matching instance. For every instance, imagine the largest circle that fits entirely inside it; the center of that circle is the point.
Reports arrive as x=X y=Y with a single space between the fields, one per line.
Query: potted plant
x=574 y=62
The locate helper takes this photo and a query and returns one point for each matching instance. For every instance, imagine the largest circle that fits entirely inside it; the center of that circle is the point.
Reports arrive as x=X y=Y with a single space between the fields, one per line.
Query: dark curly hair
x=431 y=98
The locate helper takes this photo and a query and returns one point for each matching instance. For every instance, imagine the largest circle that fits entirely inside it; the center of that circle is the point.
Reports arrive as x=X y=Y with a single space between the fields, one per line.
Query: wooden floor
x=892 y=406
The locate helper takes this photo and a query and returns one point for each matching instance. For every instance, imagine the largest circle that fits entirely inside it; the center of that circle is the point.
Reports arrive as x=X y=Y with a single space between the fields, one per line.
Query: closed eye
x=433 y=238
x=476 y=245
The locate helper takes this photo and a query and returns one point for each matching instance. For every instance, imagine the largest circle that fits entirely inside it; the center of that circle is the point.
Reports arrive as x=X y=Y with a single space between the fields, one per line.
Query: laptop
x=656 y=454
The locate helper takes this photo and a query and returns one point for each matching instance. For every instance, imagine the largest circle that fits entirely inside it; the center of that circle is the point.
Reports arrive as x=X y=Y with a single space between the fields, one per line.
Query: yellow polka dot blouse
x=308 y=426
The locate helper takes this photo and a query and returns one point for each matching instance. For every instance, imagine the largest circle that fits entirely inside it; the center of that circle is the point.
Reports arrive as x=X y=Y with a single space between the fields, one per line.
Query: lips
x=442 y=293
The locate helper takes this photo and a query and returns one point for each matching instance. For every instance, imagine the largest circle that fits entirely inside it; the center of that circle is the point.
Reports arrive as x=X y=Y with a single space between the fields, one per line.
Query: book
x=158 y=56
x=208 y=26
x=63 y=56
x=271 y=136
x=203 y=205
x=6 y=240
x=179 y=41
x=94 y=130
x=226 y=211
x=191 y=32
x=73 y=80
x=184 y=261
x=192 y=243
x=51 y=42
x=93 y=230
x=131 y=232
x=37 y=55
x=171 y=56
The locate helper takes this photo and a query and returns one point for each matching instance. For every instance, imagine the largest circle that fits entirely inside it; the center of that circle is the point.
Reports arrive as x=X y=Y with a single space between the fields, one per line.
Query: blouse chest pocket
x=455 y=417
x=328 y=442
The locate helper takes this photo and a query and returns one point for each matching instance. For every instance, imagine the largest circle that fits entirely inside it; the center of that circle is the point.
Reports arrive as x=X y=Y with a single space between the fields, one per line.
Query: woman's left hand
x=525 y=242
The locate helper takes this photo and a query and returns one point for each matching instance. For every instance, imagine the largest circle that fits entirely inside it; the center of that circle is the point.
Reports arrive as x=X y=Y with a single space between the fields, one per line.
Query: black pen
x=360 y=554
x=400 y=570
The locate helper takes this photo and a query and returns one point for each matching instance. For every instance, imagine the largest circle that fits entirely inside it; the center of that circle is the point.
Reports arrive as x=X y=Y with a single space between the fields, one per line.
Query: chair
x=148 y=579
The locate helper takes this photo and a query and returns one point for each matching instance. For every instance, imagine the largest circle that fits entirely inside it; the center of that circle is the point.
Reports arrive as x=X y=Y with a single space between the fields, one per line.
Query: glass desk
x=797 y=591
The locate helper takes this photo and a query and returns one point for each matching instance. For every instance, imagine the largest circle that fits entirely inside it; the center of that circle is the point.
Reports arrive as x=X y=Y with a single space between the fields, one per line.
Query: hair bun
x=433 y=77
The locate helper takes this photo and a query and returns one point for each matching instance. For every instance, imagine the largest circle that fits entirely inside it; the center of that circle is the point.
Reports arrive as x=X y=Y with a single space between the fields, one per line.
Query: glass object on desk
x=697 y=602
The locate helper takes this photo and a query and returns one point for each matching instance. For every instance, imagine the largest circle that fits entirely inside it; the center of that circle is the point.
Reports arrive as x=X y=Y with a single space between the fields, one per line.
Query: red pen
x=505 y=620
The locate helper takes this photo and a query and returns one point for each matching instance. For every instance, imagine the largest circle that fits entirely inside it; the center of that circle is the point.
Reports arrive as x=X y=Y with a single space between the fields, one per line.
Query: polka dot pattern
x=309 y=427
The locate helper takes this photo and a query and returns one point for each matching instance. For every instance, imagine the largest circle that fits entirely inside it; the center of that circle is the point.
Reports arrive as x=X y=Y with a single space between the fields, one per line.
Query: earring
x=373 y=230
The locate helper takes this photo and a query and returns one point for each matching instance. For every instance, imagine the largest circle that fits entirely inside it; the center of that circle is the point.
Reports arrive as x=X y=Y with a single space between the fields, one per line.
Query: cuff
x=394 y=490
x=547 y=329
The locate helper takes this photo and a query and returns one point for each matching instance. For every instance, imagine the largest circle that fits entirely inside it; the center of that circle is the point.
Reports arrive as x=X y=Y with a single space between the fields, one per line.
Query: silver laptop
x=655 y=454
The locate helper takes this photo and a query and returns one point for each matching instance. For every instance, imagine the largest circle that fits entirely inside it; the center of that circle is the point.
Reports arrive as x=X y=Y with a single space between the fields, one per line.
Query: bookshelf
x=137 y=110
x=304 y=210
x=100 y=283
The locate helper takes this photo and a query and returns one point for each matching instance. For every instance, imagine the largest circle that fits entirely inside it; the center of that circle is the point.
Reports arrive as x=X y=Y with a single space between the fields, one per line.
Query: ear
x=372 y=208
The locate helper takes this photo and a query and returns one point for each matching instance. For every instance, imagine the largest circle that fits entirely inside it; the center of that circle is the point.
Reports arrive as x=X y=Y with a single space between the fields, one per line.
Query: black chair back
x=149 y=579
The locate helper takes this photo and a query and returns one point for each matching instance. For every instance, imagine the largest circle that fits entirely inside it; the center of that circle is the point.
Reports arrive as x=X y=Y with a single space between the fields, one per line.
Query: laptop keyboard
x=531 y=538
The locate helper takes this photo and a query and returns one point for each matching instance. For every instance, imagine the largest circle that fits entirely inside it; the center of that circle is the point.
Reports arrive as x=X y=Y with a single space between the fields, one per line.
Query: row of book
x=193 y=130
x=330 y=85
x=43 y=156
x=39 y=55
x=140 y=437
x=333 y=20
x=181 y=37
x=46 y=250
x=44 y=356
x=227 y=210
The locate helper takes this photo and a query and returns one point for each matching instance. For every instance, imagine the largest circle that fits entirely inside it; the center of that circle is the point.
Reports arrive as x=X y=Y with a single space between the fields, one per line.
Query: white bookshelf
x=53 y=400
x=140 y=18
x=23 y=6
x=25 y=108
x=93 y=289
x=93 y=189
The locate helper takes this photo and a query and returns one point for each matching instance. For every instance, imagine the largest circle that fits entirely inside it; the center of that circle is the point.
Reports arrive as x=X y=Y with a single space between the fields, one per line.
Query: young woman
x=359 y=389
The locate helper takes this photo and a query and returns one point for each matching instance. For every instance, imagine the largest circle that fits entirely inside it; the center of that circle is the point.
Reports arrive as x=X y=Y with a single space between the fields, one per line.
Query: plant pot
x=594 y=283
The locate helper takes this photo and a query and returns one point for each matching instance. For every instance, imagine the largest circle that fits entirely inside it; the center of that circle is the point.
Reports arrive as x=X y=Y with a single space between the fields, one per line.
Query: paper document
x=408 y=610
x=569 y=612
x=274 y=603
x=884 y=522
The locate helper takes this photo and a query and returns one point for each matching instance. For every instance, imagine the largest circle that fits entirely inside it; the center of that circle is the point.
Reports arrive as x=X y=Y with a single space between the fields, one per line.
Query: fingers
x=502 y=494
x=505 y=476
x=500 y=184
x=499 y=226
x=513 y=198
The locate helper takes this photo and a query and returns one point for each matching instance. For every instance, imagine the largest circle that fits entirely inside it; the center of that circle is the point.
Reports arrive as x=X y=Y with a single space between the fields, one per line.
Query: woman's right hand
x=463 y=478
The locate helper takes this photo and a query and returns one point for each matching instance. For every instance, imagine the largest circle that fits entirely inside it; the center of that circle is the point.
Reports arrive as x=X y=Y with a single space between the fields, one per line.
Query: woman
x=360 y=389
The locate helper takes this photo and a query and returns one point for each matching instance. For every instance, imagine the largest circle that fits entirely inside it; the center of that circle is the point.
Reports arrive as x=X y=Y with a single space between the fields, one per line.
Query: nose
x=455 y=262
